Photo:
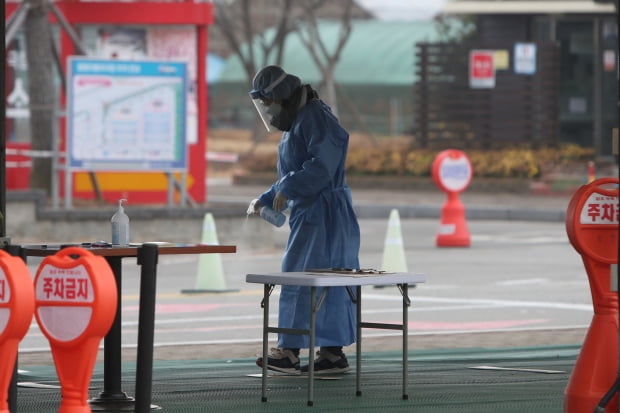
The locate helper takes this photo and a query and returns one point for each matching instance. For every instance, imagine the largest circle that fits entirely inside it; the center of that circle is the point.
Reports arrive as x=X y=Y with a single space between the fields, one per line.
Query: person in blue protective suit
x=324 y=232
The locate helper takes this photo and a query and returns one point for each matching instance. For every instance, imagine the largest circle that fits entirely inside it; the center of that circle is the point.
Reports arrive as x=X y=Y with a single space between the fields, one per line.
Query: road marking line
x=524 y=281
x=483 y=301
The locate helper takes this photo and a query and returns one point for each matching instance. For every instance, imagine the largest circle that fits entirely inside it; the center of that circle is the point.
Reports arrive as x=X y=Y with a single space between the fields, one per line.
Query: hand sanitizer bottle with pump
x=120 y=225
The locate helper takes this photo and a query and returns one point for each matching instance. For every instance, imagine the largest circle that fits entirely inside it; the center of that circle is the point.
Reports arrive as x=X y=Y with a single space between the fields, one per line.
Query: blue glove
x=279 y=202
x=254 y=207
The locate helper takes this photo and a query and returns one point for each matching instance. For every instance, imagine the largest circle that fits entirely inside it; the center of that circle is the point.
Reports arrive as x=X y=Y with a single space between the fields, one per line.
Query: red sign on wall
x=481 y=69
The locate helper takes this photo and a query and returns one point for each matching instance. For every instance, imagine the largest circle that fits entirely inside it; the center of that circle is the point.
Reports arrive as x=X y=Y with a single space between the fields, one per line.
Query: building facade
x=586 y=32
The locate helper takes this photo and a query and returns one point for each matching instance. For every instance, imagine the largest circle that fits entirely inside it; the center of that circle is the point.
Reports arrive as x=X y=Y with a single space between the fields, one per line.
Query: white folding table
x=335 y=278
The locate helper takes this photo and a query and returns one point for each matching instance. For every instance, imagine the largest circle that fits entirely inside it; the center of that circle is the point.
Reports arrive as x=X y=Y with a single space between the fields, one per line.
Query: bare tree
x=243 y=24
x=40 y=89
x=308 y=32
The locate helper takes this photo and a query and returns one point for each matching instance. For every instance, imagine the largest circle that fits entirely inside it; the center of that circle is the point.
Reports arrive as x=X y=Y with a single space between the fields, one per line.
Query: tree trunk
x=41 y=90
x=330 y=91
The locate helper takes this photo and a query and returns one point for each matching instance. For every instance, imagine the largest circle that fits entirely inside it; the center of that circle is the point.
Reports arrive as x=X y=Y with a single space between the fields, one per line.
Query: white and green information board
x=125 y=115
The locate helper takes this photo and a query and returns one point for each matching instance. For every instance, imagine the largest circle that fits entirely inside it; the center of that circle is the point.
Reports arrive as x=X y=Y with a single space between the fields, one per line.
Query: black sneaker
x=328 y=363
x=281 y=359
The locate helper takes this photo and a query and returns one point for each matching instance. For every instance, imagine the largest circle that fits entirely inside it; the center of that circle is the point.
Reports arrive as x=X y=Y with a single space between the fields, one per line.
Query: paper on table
x=160 y=243
x=350 y=272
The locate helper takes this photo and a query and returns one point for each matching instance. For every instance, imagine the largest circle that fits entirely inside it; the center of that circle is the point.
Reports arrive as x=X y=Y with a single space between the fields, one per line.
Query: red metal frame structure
x=149 y=13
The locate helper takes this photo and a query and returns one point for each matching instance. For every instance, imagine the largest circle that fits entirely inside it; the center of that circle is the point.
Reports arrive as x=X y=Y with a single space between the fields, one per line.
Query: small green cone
x=210 y=275
x=394 y=250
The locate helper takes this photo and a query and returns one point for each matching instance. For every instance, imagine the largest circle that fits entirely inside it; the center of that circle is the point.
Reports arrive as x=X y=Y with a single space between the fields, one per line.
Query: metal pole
x=405 y=292
x=183 y=188
x=597 y=110
x=313 y=310
x=170 y=189
x=68 y=182
x=112 y=397
x=55 y=161
x=3 y=239
x=358 y=345
x=266 y=293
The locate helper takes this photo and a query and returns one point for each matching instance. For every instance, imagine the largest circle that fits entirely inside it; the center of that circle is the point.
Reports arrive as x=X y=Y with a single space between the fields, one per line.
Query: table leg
x=405 y=339
x=112 y=397
x=358 y=344
x=147 y=259
x=267 y=290
x=313 y=310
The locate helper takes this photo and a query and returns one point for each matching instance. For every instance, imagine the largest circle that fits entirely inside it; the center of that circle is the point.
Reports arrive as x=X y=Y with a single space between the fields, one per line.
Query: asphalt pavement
x=520 y=282
x=422 y=203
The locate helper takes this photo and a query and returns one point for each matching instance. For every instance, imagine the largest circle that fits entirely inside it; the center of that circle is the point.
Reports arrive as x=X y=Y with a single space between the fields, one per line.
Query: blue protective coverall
x=324 y=229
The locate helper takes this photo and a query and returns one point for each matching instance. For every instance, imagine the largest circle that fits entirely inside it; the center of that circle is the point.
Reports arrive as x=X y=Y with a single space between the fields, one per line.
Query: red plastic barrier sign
x=452 y=173
x=16 y=310
x=75 y=308
x=592 y=221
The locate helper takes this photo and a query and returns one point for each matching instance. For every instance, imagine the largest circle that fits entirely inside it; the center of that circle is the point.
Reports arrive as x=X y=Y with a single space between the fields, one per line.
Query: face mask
x=274 y=109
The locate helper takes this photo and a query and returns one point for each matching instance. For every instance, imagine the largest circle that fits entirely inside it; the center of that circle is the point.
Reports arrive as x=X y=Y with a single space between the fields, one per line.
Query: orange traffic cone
x=452 y=173
x=453 y=231
x=591 y=173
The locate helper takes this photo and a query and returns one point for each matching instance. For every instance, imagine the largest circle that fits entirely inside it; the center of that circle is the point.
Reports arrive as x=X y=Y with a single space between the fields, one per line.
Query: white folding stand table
x=327 y=279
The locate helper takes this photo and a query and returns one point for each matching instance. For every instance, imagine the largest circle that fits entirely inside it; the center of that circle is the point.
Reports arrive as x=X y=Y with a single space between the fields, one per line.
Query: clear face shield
x=271 y=109
x=263 y=111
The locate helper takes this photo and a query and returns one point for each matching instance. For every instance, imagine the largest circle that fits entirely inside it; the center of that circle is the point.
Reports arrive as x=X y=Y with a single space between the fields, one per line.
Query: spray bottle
x=120 y=225
x=272 y=216
x=268 y=214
